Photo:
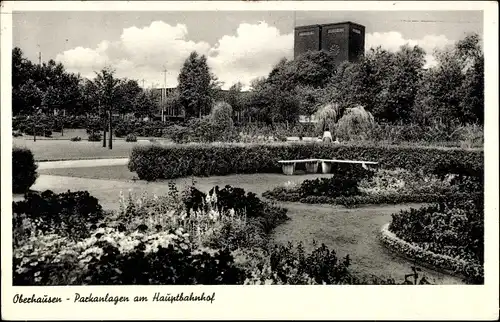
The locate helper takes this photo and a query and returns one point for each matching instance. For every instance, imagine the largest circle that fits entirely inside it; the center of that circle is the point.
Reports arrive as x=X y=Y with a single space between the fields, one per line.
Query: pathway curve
x=348 y=231
x=81 y=163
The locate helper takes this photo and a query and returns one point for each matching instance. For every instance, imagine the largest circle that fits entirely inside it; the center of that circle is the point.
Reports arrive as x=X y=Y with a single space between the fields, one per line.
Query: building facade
x=345 y=40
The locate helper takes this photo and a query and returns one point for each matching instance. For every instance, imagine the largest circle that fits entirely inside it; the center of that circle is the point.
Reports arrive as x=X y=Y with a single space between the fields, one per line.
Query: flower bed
x=453 y=229
x=380 y=187
x=189 y=238
x=174 y=161
x=472 y=271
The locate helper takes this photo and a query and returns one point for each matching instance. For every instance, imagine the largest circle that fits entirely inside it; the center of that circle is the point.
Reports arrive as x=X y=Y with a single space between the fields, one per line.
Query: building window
x=356 y=30
x=306 y=33
x=335 y=30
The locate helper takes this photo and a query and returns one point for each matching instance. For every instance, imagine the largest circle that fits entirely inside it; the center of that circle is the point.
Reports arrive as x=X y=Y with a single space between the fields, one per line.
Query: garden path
x=348 y=231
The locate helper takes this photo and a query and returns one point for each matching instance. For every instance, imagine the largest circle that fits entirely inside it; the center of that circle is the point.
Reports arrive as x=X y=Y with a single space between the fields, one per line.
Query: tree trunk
x=104 y=131
x=110 y=130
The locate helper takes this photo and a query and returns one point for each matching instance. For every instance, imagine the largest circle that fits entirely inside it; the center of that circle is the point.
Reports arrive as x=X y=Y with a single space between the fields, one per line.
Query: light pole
x=164 y=94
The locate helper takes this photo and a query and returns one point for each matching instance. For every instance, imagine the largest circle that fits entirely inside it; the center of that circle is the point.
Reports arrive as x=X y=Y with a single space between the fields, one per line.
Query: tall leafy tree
x=145 y=104
x=107 y=94
x=25 y=93
x=127 y=94
x=196 y=86
x=453 y=91
x=400 y=86
x=235 y=99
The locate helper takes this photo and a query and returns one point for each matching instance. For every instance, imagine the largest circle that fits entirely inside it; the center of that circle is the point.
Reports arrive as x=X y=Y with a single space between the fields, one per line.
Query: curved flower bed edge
x=473 y=273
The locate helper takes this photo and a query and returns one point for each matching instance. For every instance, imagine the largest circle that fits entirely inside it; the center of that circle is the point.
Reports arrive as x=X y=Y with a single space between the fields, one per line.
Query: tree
x=25 y=93
x=196 y=86
x=145 y=104
x=221 y=119
x=234 y=98
x=106 y=87
x=453 y=91
x=127 y=92
x=327 y=116
x=400 y=86
x=309 y=99
x=356 y=123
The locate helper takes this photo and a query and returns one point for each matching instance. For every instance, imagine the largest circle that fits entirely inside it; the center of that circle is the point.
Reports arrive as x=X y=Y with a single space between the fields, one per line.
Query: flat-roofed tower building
x=345 y=40
x=307 y=38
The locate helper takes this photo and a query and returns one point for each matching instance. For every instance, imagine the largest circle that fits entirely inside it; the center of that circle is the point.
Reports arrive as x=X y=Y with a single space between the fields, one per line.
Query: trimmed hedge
x=472 y=272
x=167 y=162
x=23 y=170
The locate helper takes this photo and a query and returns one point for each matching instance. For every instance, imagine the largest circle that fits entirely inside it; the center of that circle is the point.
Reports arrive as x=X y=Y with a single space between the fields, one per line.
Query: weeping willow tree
x=355 y=124
x=327 y=115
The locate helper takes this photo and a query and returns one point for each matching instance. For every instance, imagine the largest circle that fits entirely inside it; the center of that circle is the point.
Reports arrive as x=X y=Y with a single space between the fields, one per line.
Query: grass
x=70 y=133
x=50 y=150
x=348 y=231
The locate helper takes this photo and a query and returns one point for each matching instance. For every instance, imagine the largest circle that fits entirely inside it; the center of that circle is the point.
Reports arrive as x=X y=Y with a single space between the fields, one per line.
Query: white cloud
x=393 y=40
x=250 y=53
x=143 y=53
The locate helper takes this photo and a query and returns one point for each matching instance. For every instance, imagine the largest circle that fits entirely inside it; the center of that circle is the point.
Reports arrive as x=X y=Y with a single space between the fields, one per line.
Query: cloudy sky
x=240 y=46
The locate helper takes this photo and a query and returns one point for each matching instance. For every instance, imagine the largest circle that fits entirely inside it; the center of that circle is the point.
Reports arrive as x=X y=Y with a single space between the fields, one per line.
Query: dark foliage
x=23 y=170
x=69 y=213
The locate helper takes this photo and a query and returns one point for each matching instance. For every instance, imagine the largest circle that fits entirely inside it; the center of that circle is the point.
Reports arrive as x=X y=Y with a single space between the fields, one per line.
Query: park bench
x=288 y=166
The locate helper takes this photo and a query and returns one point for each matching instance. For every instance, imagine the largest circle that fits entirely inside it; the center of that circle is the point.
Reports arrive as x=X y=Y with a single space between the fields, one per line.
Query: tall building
x=345 y=40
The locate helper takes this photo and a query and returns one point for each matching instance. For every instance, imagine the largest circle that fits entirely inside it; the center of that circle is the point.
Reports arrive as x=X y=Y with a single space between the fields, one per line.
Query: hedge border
x=182 y=160
x=450 y=265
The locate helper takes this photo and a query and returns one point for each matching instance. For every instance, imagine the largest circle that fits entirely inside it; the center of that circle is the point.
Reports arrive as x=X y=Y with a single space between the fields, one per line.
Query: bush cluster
x=23 y=170
x=131 y=138
x=48 y=123
x=95 y=137
x=142 y=128
x=165 y=162
x=76 y=139
x=69 y=214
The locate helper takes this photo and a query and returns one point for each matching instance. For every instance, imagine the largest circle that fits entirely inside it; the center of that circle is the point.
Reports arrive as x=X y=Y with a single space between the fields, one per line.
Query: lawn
x=348 y=231
x=45 y=150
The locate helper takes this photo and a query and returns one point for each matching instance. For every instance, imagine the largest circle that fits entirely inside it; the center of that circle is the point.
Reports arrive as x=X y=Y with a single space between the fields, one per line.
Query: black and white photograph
x=246 y=147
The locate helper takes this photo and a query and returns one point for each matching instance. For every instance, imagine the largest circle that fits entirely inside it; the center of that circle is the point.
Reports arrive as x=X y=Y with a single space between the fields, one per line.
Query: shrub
x=122 y=129
x=329 y=187
x=177 y=133
x=24 y=168
x=292 y=265
x=131 y=138
x=16 y=134
x=95 y=137
x=94 y=125
x=166 y=162
x=69 y=214
x=76 y=139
